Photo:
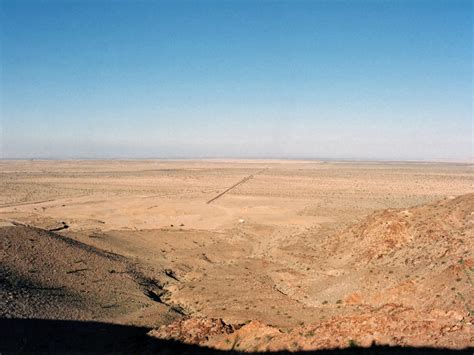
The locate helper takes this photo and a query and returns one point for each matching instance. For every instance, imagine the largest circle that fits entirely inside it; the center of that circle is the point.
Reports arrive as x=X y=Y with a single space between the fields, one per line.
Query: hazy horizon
x=248 y=159
x=359 y=80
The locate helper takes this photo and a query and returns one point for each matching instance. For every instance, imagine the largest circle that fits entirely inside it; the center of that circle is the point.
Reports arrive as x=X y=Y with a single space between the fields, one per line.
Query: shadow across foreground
x=63 y=336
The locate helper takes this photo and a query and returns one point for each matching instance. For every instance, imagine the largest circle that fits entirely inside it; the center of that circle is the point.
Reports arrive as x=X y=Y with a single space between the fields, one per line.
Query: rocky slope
x=49 y=276
x=411 y=277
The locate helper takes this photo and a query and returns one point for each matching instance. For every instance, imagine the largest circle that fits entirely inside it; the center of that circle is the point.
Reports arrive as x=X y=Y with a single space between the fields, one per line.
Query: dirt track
x=292 y=248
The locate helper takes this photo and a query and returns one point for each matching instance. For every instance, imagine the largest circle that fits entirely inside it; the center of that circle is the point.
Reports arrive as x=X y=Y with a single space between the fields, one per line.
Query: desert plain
x=297 y=255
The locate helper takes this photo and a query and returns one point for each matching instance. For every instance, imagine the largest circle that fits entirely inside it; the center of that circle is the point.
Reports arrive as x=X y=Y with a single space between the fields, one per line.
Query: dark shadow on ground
x=59 y=336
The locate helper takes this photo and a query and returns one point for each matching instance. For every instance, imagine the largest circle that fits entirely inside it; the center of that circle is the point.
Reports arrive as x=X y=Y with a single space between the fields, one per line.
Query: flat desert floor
x=300 y=255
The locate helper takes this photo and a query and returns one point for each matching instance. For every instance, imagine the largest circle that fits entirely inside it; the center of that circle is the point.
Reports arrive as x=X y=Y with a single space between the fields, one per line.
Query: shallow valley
x=300 y=255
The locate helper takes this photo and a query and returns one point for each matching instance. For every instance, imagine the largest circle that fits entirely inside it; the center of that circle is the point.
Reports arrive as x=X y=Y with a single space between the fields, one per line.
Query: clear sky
x=282 y=79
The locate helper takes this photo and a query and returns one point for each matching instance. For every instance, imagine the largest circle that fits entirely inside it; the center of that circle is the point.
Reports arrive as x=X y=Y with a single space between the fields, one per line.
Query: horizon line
x=302 y=159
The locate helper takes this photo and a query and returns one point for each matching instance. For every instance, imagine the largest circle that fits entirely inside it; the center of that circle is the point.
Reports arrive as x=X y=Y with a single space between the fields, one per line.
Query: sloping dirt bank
x=47 y=275
x=411 y=275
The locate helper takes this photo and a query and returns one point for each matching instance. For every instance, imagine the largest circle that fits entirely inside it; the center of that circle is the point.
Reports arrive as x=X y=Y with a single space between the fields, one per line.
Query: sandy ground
x=299 y=243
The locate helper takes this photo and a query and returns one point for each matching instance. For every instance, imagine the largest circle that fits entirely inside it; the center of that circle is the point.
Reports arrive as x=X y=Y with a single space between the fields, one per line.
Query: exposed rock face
x=193 y=330
x=391 y=325
x=443 y=228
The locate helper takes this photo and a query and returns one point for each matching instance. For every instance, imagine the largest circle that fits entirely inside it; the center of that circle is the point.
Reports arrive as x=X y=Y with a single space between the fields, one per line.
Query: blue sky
x=282 y=79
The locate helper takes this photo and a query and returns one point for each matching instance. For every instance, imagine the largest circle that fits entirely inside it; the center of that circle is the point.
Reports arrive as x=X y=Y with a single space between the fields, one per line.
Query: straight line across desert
x=236 y=176
x=140 y=256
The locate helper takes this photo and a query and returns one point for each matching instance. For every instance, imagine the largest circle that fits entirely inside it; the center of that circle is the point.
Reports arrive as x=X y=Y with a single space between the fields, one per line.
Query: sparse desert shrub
x=353 y=343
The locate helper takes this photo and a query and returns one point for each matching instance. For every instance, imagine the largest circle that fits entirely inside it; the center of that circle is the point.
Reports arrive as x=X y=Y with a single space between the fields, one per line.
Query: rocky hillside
x=409 y=275
x=49 y=276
